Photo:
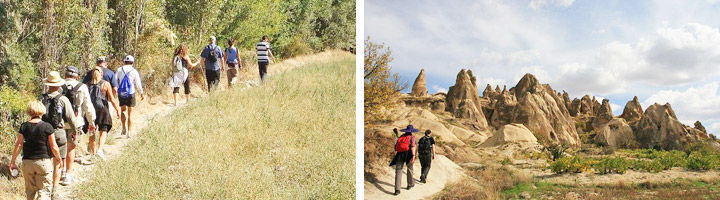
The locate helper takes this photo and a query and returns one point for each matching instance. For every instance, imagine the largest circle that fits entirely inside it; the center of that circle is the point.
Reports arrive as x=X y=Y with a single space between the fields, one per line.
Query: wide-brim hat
x=53 y=79
x=410 y=129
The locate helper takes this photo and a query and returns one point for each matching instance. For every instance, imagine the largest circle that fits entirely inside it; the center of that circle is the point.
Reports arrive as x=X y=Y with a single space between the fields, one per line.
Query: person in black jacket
x=426 y=153
x=406 y=149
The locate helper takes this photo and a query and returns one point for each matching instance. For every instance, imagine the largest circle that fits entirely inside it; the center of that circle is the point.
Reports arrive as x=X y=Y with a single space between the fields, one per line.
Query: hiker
x=181 y=67
x=129 y=82
x=263 y=56
x=232 y=61
x=100 y=93
x=406 y=149
x=426 y=153
x=108 y=74
x=212 y=56
x=79 y=96
x=60 y=115
x=37 y=140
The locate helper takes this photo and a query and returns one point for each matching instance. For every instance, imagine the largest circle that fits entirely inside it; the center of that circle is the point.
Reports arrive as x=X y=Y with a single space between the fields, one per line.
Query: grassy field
x=291 y=138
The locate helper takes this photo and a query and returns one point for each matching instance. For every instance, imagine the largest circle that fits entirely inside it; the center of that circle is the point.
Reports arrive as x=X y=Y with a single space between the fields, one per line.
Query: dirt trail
x=156 y=108
x=442 y=172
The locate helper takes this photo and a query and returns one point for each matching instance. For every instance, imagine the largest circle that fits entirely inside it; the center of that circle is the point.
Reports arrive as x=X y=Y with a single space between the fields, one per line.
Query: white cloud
x=714 y=128
x=482 y=82
x=693 y=104
x=439 y=89
x=540 y=4
x=615 y=108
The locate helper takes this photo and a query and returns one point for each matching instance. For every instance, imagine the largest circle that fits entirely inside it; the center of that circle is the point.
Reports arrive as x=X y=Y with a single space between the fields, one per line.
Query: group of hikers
x=72 y=107
x=407 y=150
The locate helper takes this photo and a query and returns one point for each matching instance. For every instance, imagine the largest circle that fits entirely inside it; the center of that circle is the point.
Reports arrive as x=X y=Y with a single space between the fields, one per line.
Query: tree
x=382 y=87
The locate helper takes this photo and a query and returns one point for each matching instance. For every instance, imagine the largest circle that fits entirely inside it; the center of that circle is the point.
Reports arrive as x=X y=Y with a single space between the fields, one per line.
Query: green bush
x=555 y=150
x=611 y=165
x=575 y=164
x=646 y=165
x=670 y=159
x=701 y=161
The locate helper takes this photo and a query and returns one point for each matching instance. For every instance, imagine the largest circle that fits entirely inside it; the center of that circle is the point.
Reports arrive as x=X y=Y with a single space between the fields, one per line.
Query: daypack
x=213 y=55
x=403 y=143
x=97 y=97
x=54 y=108
x=125 y=87
x=71 y=92
x=177 y=64
x=424 y=145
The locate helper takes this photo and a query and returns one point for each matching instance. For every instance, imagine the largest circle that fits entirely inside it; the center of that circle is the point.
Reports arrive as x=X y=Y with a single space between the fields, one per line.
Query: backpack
x=125 y=88
x=97 y=97
x=424 y=145
x=403 y=143
x=71 y=92
x=54 y=114
x=213 y=57
x=177 y=64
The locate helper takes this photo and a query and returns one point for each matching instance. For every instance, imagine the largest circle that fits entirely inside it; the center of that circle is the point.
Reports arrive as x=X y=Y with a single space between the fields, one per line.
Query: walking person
x=405 y=149
x=232 y=61
x=130 y=83
x=426 y=153
x=100 y=93
x=60 y=115
x=108 y=74
x=36 y=138
x=79 y=96
x=212 y=57
x=181 y=72
x=264 y=53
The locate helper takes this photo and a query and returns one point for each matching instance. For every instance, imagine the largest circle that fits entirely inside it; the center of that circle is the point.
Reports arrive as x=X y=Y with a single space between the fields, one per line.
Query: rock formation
x=595 y=106
x=510 y=133
x=660 y=128
x=566 y=99
x=604 y=114
x=633 y=111
x=419 y=89
x=463 y=100
x=616 y=133
x=700 y=127
x=537 y=107
x=488 y=93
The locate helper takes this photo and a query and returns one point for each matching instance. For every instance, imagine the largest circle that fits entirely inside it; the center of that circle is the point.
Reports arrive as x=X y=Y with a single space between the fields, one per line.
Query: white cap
x=129 y=58
x=212 y=38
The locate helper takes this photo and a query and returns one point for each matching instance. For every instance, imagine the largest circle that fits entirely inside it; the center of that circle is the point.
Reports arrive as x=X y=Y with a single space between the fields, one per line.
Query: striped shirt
x=262 y=51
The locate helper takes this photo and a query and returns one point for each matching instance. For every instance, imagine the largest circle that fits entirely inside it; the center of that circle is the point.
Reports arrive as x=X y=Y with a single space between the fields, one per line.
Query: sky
x=660 y=51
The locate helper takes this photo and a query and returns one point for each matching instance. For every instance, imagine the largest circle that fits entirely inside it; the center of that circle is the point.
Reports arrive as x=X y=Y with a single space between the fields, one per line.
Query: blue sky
x=660 y=51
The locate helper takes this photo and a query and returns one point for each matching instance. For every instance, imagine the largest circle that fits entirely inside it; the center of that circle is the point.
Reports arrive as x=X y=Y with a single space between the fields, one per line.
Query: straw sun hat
x=54 y=79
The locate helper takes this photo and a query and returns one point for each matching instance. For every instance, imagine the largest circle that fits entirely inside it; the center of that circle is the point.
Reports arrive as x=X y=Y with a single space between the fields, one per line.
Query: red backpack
x=403 y=143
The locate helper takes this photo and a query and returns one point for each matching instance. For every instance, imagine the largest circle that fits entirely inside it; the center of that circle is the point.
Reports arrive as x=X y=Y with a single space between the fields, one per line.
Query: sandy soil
x=442 y=172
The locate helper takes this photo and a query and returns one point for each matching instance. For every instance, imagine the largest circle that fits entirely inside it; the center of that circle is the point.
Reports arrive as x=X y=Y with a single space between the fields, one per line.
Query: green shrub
x=701 y=161
x=646 y=165
x=670 y=159
x=556 y=150
x=575 y=164
x=611 y=165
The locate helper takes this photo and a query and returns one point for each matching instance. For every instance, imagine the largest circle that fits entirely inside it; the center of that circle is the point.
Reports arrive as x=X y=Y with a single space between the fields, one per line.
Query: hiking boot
x=410 y=187
x=67 y=181
x=422 y=180
x=397 y=192
x=100 y=155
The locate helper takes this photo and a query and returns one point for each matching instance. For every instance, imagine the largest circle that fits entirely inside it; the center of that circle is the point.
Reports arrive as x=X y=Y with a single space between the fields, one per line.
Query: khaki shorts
x=38 y=175
x=72 y=134
x=232 y=72
x=61 y=140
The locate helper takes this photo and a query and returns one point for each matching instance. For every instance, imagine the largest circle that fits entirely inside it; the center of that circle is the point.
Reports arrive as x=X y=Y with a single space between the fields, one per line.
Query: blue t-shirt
x=108 y=75
x=231 y=55
x=214 y=66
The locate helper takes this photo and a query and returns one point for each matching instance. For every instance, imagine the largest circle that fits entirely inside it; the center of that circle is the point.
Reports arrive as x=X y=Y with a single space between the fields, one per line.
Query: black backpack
x=424 y=145
x=98 y=99
x=54 y=108
x=71 y=92
x=213 y=55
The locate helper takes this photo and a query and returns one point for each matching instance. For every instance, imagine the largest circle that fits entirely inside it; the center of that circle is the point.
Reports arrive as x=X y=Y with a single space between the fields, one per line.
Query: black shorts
x=130 y=101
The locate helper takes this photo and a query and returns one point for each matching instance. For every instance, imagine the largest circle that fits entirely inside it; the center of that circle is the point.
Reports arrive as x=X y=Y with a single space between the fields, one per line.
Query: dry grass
x=291 y=138
x=485 y=183
x=378 y=153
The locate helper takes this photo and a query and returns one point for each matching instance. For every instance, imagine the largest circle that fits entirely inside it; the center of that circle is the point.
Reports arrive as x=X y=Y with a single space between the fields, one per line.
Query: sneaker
x=101 y=155
x=397 y=192
x=67 y=181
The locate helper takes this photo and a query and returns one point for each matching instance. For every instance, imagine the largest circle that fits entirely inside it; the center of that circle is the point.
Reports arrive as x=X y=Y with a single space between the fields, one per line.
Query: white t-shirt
x=133 y=75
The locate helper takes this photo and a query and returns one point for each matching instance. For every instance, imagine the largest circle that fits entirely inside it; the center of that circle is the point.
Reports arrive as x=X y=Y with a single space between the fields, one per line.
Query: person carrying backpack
x=212 y=56
x=181 y=66
x=263 y=56
x=60 y=115
x=130 y=82
x=79 y=96
x=100 y=93
x=405 y=149
x=426 y=153
x=232 y=61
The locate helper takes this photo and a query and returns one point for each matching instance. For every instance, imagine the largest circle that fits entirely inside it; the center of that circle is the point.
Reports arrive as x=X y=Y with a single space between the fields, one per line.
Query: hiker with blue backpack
x=406 y=150
x=130 y=84
x=212 y=56
x=60 y=115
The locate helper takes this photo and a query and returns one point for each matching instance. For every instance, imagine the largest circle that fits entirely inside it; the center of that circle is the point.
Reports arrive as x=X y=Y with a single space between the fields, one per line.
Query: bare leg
x=56 y=175
x=129 y=120
x=102 y=137
x=70 y=156
x=91 y=143
x=175 y=99
x=187 y=98
x=122 y=119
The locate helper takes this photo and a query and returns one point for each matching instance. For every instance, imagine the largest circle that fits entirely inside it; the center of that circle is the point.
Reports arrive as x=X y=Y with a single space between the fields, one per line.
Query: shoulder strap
x=77 y=87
